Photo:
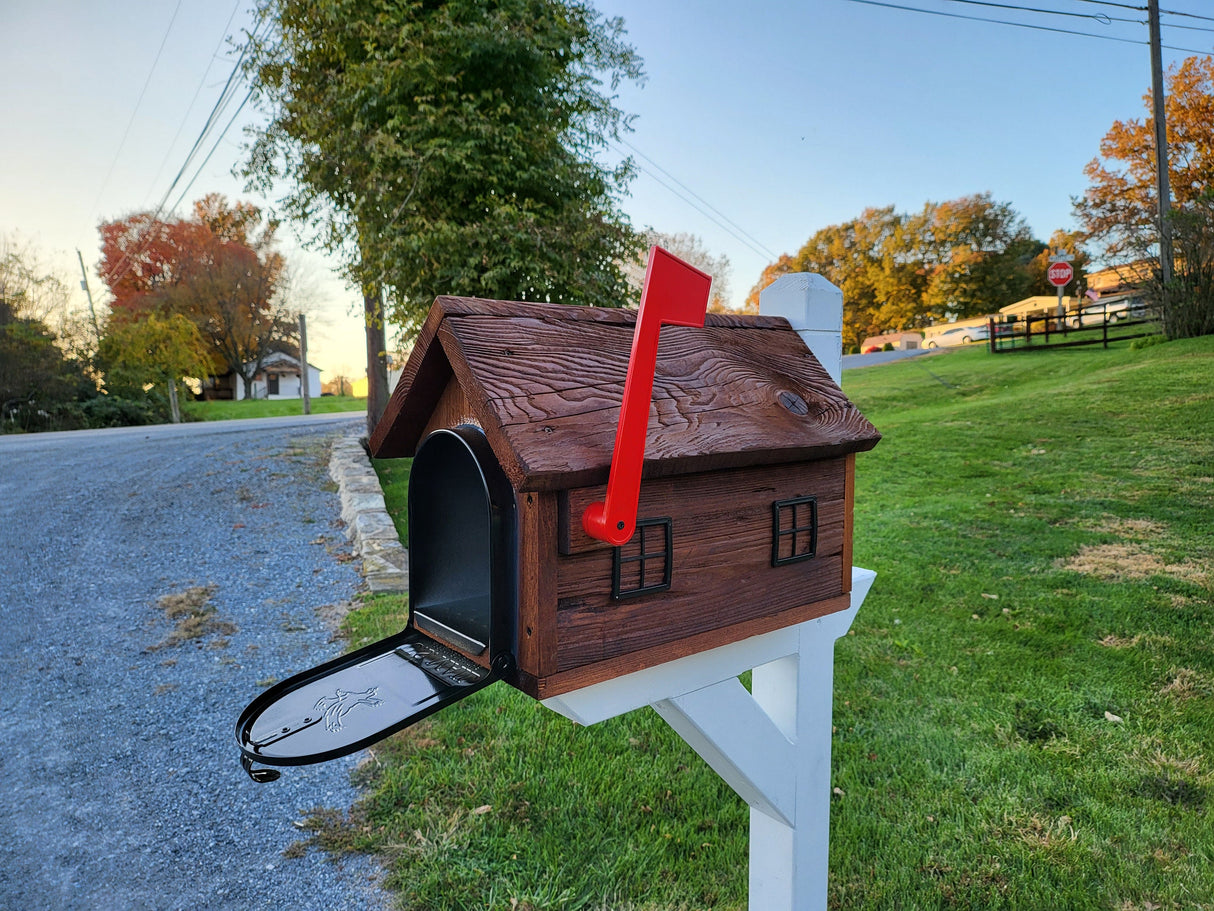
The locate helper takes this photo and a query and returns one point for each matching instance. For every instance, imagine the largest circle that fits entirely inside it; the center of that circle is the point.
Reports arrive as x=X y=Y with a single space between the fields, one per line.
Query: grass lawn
x=1024 y=709
x=268 y=408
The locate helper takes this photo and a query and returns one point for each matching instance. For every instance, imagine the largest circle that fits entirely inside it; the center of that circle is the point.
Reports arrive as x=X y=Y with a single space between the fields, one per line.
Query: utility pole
x=1161 y=147
x=304 y=392
x=84 y=284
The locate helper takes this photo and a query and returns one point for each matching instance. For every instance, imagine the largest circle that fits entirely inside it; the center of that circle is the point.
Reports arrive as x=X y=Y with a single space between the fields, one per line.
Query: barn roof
x=545 y=382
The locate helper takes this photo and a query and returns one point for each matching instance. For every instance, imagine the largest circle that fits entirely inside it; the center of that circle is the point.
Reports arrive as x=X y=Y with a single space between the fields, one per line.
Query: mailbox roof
x=545 y=382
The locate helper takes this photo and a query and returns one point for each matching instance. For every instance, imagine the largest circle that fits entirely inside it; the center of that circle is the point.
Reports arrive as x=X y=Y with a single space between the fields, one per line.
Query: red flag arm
x=675 y=294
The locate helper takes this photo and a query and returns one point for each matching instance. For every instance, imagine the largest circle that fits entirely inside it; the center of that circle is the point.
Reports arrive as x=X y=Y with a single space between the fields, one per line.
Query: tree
x=1119 y=209
x=782 y=266
x=37 y=379
x=29 y=288
x=219 y=269
x=980 y=251
x=157 y=350
x=42 y=376
x=1066 y=242
x=690 y=249
x=951 y=260
x=448 y=148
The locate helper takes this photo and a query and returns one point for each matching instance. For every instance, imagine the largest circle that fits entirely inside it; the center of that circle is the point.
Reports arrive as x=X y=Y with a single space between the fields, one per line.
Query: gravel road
x=120 y=785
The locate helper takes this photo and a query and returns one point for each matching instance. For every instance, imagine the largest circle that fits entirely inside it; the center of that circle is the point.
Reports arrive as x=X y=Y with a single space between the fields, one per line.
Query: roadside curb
x=369 y=528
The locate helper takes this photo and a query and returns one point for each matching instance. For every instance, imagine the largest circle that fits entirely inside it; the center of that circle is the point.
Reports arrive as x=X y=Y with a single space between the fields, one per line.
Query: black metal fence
x=1093 y=325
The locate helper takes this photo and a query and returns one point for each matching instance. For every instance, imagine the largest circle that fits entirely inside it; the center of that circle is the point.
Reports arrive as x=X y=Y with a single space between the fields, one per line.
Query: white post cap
x=814 y=306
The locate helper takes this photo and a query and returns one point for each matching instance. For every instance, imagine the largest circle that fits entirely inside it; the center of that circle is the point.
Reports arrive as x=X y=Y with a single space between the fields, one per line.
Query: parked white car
x=1094 y=314
x=961 y=335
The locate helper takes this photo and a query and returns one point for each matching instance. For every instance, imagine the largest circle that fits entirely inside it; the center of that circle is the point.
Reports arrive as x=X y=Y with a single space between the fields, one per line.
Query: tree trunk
x=377 y=355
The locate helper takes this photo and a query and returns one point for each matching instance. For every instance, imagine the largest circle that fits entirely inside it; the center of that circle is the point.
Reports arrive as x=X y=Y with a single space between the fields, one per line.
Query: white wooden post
x=815 y=308
x=772 y=744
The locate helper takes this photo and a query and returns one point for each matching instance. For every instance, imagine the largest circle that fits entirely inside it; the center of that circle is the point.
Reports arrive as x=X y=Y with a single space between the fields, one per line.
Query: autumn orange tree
x=219 y=269
x=1119 y=210
x=950 y=260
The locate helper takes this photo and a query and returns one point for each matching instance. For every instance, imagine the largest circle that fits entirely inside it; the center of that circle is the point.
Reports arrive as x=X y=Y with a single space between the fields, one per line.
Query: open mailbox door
x=460 y=636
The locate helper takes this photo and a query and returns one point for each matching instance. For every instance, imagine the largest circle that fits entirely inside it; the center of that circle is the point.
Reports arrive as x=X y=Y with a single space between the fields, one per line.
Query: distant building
x=1120 y=279
x=902 y=341
x=278 y=378
x=1041 y=305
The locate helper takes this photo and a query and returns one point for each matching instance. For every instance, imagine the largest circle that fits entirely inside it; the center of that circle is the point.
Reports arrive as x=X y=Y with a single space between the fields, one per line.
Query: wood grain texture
x=421 y=383
x=537 y=633
x=469 y=306
x=576 y=678
x=545 y=382
x=722 y=572
x=706 y=497
x=849 y=516
x=555 y=388
x=452 y=409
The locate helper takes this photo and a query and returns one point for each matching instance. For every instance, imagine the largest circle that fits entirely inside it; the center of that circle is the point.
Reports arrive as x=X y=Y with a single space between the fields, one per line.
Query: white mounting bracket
x=771 y=745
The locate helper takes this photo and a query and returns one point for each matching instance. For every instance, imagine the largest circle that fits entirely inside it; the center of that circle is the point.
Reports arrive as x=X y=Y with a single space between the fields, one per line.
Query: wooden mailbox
x=745 y=509
x=559 y=538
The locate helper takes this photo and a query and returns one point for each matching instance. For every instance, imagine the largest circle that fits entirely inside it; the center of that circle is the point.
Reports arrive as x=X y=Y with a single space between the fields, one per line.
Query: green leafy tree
x=448 y=148
x=38 y=382
x=157 y=350
x=43 y=379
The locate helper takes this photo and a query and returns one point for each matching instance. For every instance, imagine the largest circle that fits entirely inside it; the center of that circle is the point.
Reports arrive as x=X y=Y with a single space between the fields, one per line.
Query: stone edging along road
x=369 y=528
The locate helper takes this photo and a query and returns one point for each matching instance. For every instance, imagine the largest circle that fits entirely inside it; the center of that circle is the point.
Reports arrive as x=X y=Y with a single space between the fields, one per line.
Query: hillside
x=1023 y=709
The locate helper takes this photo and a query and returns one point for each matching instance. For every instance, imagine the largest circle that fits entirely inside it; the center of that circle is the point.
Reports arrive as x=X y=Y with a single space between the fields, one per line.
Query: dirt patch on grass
x=1112 y=641
x=1131 y=559
x=1128 y=563
x=1131 y=529
x=1042 y=831
x=193 y=617
x=1184 y=684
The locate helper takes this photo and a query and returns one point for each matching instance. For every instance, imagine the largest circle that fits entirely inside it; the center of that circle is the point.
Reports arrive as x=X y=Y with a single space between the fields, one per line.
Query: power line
x=1040 y=28
x=218 y=139
x=1170 y=12
x=197 y=92
x=720 y=224
x=721 y=220
x=125 y=133
x=225 y=97
x=1188 y=28
x=1137 y=9
x=1102 y=18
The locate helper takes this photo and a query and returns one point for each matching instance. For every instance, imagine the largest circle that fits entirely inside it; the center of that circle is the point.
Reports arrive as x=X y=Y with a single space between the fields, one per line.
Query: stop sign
x=1060 y=274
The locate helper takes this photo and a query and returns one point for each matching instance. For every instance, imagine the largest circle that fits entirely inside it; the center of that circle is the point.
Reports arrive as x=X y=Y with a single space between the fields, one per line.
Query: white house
x=278 y=378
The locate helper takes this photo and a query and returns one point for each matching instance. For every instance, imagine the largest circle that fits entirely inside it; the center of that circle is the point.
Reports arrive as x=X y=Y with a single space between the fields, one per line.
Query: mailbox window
x=643 y=565
x=794 y=530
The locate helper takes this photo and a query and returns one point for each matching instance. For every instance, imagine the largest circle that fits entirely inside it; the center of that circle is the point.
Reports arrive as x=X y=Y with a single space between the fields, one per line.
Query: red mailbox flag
x=674 y=294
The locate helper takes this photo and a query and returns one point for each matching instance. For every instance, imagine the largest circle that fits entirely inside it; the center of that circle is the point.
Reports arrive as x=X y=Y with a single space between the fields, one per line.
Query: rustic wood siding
x=722 y=573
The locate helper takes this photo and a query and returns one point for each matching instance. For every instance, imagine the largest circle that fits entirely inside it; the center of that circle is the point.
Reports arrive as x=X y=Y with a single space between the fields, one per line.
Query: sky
x=758 y=123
